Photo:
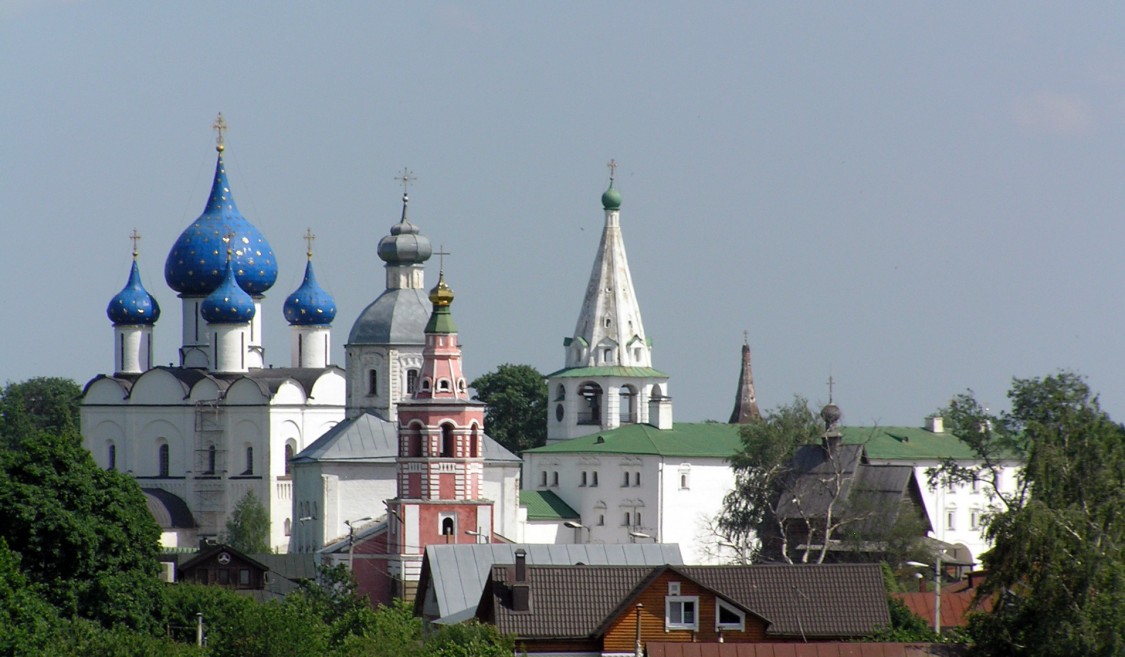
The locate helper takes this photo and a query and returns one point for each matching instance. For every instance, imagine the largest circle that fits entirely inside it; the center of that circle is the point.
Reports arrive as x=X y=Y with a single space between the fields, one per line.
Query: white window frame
x=739 y=626
x=679 y=601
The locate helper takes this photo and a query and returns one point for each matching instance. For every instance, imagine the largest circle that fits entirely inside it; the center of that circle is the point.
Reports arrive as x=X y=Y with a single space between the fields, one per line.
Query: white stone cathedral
x=201 y=434
x=313 y=443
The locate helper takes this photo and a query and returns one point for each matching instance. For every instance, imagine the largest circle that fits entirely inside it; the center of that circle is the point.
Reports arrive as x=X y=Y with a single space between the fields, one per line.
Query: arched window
x=590 y=411
x=607 y=355
x=443 y=385
x=448 y=441
x=474 y=443
x=288 y=459
x=414 y=444
x=447 y=527
x=627 y=400
x=162 y=459
x=411 y=381
x=111 y=457
x=594 y=480
x=426 y=383
x=560 y=392
x=288 y=527
x=249 y=461
x=372 y=382
x=210 y=459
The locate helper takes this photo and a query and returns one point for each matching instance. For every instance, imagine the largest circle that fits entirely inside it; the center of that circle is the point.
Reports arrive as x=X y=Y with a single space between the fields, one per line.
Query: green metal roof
x=683 y=439
x=545 y=505
x=723 y=440
x=619 y=371
x=907 y=443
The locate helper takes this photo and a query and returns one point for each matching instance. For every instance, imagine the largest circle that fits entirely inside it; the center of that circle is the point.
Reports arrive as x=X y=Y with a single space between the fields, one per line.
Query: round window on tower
x=559 y=412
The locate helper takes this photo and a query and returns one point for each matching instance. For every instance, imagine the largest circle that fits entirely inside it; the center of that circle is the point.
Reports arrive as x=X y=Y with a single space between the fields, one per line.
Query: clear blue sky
x=917 y=198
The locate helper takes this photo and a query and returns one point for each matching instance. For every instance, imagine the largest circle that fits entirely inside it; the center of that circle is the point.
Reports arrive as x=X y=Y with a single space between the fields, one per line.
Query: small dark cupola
x=831 y=414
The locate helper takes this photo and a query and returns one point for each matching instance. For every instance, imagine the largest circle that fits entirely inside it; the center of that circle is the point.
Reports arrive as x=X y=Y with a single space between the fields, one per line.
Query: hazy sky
x=917 y=198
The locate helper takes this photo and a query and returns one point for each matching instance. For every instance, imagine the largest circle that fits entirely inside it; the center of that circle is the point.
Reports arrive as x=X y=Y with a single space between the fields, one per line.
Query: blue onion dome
x=310 y=305
x=197 y=259
x=133 y=305
x=611 y=198
x=406 y=245
x=228 y=303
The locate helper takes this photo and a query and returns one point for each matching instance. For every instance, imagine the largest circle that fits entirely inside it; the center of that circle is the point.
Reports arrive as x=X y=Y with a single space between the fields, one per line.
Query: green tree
x=470 y=639
x=761 y=467
x=1057 y=568
x=85 y=538
x=516 y=416
x=43 y=403
x=248 y=529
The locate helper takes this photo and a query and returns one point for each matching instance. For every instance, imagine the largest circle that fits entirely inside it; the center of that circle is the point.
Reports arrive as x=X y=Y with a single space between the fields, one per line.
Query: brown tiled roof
x=566 y=601
x=804 y=600
x=831 y=600
x=826 y=649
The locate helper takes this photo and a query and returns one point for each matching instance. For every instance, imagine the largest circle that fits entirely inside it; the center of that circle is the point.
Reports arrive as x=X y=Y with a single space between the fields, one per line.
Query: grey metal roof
x=397 y=317
x=169 y=510
x=369 y=438
x=457 y=573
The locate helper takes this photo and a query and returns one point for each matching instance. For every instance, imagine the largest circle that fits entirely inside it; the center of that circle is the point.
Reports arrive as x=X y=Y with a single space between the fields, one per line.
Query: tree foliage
x=84 y=536
x=760 y=468
x=516 y=396
x=1057 y=566
x=248 y=528
x=41 y=404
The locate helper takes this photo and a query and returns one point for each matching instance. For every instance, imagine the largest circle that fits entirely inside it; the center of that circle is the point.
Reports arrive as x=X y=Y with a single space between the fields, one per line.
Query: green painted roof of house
x=907 y=443
x=625 y=372
x=683 y=439
x=545 y=505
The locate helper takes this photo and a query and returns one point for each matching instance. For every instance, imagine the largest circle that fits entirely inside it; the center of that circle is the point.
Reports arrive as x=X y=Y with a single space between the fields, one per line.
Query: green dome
x=611 y=199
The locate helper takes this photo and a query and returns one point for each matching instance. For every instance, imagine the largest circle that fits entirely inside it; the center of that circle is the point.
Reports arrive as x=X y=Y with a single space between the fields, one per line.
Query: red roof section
x=826 y=649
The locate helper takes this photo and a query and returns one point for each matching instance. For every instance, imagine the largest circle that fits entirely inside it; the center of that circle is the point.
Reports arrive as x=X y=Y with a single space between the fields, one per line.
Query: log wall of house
x=621 y=635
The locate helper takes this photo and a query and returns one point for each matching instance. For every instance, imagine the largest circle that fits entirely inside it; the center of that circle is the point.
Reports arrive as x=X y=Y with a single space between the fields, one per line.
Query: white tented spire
x=608 y=380
x=610 y=331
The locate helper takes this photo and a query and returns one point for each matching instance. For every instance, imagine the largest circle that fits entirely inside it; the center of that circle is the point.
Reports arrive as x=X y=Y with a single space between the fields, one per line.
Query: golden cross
x=309 y=237
x=135 y=236
x=219 y=126
x=612 y=168
x=405 y=177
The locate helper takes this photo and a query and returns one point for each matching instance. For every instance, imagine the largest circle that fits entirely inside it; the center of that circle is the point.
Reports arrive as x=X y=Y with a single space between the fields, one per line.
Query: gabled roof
x=368 y=438
x=804 y=600
x=907 y=443
x=874 y=491
x=545 y=505
x=798 y=601
x=699 y=440
x=457 y=573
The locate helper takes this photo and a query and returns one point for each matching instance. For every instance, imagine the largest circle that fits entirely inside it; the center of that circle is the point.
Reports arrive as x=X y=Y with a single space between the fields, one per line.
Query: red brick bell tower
x=440 y=458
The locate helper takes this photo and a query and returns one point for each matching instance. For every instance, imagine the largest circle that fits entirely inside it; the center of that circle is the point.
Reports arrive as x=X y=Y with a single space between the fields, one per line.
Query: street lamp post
x=574 y=524
x=937 y=587
x=351 y=542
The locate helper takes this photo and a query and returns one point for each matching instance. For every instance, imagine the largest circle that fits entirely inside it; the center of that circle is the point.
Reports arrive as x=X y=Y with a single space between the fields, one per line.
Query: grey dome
x=397 y=317
x=406 y=245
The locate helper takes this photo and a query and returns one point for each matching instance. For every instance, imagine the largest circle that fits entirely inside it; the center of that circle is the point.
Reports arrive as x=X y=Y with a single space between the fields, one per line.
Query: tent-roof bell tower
x=608 y=379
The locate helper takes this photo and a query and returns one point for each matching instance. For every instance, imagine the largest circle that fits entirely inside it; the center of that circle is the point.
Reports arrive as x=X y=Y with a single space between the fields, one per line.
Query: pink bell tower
x=440 y=458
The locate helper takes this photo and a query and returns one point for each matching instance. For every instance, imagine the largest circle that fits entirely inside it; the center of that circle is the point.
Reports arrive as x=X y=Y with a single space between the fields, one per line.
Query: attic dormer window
x=728 y=618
